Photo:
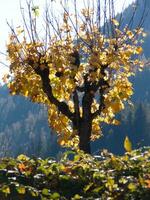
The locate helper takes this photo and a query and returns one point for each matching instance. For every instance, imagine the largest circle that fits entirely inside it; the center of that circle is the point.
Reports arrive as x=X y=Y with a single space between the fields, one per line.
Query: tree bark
x=85 y=125
x=85 y=129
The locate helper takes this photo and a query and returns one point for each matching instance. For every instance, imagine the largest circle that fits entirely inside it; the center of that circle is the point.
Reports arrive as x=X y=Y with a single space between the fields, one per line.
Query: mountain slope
x=24 y=127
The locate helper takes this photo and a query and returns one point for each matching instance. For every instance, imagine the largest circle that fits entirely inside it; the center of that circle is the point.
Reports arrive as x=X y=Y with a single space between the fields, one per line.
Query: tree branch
x=76 y=108
x=101 y=106
x=102 y=85
x=62 y=106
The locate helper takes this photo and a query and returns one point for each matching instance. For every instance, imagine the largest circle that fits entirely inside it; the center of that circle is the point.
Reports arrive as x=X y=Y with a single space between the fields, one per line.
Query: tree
x=80 y=70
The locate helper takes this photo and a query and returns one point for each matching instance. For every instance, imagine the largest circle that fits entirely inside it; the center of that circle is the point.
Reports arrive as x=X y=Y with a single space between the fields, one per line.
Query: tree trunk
x=84 y=136
x=85 y=125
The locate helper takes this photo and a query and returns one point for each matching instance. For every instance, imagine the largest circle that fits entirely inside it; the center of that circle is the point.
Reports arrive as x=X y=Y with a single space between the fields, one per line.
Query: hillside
x=24 y=127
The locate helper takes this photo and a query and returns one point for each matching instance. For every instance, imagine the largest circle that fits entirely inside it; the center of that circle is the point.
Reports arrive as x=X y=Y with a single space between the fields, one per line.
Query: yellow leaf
x=21 y=167
x=19 y=30
x=22 y=157
x=61 y=142
x=115 y=22
x=35 y=10
x=5 y=78
x=87 y=187
x=132 y=187
x=5 y=189
x=117 y=106
x=148 y=183
x=116 y=122
x=130 y=34
x=144 y=34
x=127 y=144
x=139 y=50
x=21 y=189
x=26 y=93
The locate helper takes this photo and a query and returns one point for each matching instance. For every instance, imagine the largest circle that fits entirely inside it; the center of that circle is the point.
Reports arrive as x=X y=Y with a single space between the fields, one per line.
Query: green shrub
x=77 y=176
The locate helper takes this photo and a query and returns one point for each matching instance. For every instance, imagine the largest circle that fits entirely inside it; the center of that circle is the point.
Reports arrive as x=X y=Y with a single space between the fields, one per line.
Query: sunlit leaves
x=35 y=10
x=5 y=189
x=138 y=50
x=76 y=58
x=132 y=187
x=22 y=157
x=115 y=22
x=148 y=183
x=21 y=167
x=96 y=129
x=19 y=30
x=21 y=189
x=78 y=176
x=127 y=144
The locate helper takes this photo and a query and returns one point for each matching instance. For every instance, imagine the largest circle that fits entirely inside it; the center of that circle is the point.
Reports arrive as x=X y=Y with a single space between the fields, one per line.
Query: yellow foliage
x=127 y=144
x=115 y=22
x=97 y=60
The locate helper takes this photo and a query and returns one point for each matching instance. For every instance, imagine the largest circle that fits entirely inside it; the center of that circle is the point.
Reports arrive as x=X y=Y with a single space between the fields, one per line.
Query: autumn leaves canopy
x=80 y=72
